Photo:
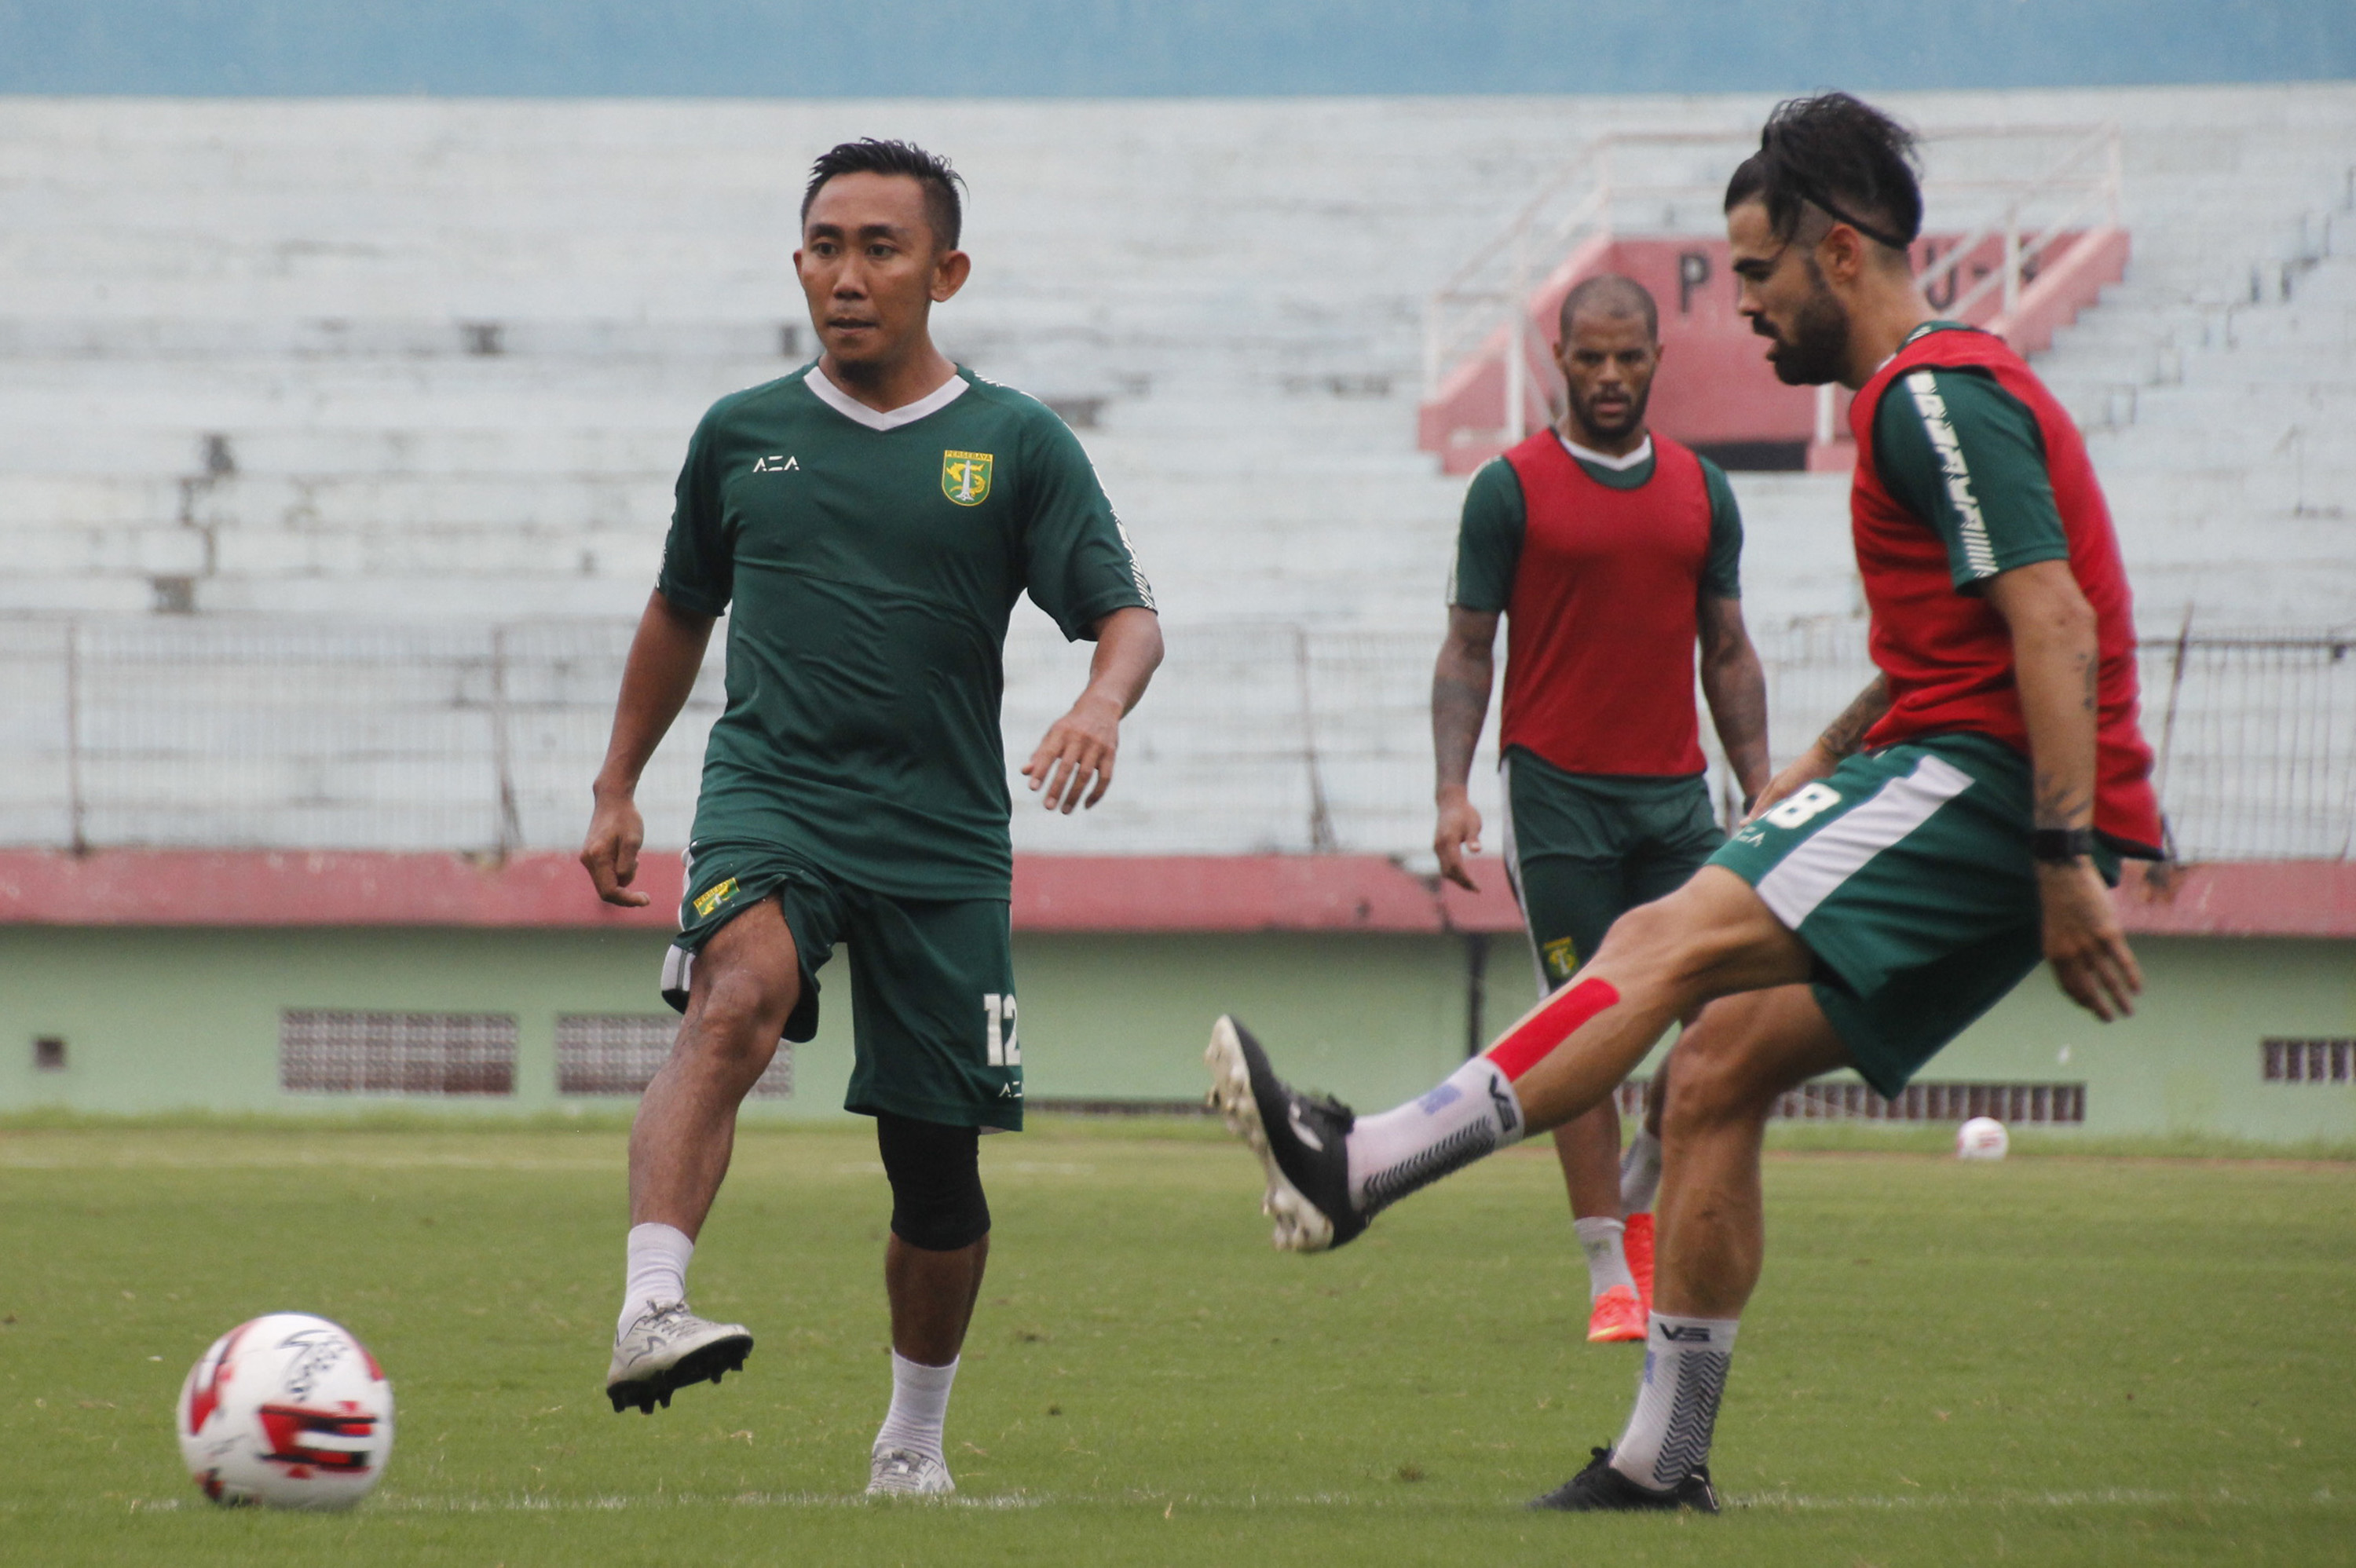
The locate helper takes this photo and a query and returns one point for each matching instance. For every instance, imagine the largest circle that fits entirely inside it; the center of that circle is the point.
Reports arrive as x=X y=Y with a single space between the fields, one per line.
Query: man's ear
x=950 y=269
x=1841 y=253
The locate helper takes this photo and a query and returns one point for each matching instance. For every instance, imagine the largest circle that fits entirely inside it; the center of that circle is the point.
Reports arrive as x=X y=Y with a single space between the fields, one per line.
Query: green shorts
x=932 y=981
x=1583 y=849
x=1907 y=872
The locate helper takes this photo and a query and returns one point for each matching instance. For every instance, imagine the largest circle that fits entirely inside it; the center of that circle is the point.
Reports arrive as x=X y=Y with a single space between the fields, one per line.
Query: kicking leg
x=1739 y=1057
x=932 y=1273
x=745 y=984
x=1329 y=1172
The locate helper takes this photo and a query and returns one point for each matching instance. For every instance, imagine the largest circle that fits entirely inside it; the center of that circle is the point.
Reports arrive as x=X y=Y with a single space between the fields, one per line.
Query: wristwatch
x=2061 y=846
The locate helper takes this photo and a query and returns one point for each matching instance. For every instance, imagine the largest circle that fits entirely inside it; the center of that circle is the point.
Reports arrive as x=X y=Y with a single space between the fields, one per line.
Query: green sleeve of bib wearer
x=1721 y=568
x=1077 y=561
x=1488 y=540
x=698 y=571
x=1966 y=455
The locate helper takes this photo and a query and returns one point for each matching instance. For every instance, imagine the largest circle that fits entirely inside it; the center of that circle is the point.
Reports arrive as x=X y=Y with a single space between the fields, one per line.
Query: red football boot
x=1638 y=1242
x=1617 y=1319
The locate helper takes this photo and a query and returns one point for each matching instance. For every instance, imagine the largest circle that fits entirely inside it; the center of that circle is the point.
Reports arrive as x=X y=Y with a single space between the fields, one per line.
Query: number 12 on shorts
x=1006 y=1051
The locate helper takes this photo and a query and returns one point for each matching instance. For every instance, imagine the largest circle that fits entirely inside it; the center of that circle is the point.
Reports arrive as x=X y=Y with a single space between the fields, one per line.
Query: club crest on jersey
x=706 y=902
x=965 y=478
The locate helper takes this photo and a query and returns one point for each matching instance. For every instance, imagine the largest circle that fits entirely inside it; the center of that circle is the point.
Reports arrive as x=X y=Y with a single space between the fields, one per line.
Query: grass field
x=2060 y=1360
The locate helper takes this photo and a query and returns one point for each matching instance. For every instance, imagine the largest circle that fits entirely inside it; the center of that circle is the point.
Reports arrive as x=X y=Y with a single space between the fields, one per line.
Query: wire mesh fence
x=1263 y=736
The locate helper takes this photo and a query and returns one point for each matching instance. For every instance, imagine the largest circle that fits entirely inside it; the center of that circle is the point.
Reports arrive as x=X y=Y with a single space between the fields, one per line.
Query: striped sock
x=1667 y=1439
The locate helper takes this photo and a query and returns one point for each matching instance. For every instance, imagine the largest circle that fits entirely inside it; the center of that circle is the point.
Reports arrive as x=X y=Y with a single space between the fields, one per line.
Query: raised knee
x=736 y=1021
x=1666 y=943
x=1709 y=1083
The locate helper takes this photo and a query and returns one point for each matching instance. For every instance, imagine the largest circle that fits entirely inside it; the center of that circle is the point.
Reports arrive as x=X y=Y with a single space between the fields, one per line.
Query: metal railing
x=1257 y=737
x=1650 y=183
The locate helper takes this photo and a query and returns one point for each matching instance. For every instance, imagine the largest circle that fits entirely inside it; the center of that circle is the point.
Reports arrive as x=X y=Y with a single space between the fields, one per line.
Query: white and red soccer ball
x=289 y=1411
x=1982 y=1138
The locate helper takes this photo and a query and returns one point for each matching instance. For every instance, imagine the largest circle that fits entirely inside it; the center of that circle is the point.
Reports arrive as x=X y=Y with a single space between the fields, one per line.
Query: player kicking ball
x=1956 y=824
x=872 y=519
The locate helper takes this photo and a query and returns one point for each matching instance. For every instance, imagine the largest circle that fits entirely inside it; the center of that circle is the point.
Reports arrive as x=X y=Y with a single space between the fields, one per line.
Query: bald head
x=1612 y=297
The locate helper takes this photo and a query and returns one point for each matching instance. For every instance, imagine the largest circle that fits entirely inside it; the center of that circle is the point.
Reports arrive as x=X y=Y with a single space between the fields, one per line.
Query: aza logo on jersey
x=778 y=462
x=965 y=476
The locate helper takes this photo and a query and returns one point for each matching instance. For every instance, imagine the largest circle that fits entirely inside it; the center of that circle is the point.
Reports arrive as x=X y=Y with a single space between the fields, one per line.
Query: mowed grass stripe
x=2155 y=1353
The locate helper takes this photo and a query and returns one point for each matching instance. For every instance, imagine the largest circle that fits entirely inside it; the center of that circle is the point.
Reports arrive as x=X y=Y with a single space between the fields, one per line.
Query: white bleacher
x=415 y=361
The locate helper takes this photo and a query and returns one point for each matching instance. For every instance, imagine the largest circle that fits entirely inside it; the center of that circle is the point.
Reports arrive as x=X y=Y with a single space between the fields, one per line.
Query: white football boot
x=904 y=1473
x=667 y=1346
x=1301 y=1141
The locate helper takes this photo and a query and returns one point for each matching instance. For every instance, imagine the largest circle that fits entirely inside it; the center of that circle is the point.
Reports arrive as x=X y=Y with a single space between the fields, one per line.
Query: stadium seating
x=370 y=363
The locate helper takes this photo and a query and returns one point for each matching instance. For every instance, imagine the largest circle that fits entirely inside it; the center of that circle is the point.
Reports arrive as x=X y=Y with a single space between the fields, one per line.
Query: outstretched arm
x=1074 y=762
x=664 y=659
x=1736 y=689
x=1841 y=739
x=2054 y=658
x=1461 y=680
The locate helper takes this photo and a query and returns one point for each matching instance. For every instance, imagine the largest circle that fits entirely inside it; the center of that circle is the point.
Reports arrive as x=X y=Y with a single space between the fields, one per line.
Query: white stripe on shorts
x=1811 y=873
x=1512 y=854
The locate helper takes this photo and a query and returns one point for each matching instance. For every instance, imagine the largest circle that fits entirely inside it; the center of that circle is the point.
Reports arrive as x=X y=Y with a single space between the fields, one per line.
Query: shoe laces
x=1328 y=1106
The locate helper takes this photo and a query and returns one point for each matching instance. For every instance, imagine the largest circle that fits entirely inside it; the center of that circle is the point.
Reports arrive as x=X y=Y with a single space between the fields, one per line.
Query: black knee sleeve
x=936 y=1175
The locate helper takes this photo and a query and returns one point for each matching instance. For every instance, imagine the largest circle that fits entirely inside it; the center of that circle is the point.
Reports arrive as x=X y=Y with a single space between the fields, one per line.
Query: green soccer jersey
x=872 y=560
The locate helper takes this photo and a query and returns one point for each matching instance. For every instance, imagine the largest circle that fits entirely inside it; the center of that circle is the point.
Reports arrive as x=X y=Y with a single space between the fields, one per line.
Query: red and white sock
x=1473 y=1114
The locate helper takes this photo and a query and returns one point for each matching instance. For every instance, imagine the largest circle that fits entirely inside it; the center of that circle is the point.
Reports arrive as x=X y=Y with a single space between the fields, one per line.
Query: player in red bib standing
x=1954 y=827
x=1611 y=552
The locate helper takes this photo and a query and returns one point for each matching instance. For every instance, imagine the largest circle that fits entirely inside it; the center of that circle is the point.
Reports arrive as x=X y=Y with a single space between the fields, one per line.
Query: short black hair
x=1839 y=155
x=869 y=155
x=1610 y=294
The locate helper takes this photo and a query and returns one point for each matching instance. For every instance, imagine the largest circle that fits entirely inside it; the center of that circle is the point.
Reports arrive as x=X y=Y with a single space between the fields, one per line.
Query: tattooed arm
x=1460 y=703
x=1841 y=739
x=2054 y=666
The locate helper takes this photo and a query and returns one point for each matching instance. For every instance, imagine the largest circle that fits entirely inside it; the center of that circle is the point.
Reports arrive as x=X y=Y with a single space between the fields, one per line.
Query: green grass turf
x=2061 y=1360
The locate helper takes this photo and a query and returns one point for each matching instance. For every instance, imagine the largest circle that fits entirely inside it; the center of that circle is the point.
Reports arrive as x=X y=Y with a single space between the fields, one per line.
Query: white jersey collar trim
x=852 y=409
x=1643 y=454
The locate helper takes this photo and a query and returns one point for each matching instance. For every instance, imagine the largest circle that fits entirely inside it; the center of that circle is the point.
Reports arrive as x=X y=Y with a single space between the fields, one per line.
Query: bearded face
x=1811 y=344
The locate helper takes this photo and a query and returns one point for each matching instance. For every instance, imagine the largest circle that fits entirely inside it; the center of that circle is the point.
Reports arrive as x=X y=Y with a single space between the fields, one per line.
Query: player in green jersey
x=872 y=520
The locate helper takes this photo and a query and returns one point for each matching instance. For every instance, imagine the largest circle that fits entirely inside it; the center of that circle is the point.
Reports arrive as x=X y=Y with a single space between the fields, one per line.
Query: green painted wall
x=171 y=1019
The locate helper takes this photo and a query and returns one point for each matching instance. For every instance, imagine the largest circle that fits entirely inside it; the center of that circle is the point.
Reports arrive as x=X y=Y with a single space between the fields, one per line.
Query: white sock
x=1607 y=1259
x=1639 y=1173
x=1676 y=1405
x=657 y=1270
x=920 y=1403
x=1414 y=1144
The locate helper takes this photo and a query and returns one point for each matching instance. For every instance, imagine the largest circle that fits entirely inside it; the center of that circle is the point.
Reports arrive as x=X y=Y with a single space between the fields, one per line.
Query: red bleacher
x=1714 y=389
